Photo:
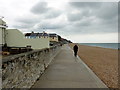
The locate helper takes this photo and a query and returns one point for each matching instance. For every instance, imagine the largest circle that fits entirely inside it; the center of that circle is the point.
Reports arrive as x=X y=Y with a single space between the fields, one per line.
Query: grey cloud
x=104 y=17
x=84 y=23
x=78 y=16
x=45 y=25
x=53 y=14
x=52 y=26
x=74 y=17
x=26 y=20
x=90 y=29
x=86 y=4
x=88 y=26
x=23 y=26
x=40 y=8
x=107 y=11
x=96 y=19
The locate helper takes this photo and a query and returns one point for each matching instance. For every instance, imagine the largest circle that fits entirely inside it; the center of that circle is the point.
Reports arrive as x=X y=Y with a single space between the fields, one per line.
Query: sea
x=104 y=45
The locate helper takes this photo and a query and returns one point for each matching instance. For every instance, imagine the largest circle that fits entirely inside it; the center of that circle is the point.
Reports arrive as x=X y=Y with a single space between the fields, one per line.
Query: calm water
x=104 y=45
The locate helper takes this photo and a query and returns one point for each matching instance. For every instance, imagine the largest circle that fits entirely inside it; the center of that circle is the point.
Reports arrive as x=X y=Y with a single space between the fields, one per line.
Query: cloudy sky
x=77 y=21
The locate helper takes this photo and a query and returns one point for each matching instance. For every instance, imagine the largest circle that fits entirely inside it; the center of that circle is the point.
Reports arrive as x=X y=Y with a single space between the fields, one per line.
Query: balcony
x=3 y=26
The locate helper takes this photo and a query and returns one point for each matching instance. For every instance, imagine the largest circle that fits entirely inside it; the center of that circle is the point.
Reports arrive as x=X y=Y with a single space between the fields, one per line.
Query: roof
x=41 y=34
x=27 y=34
x=53 y=35
x=36 y=34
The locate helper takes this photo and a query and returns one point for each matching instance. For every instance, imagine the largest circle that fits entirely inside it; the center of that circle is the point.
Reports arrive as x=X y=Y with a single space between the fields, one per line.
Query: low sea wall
x=22 y=70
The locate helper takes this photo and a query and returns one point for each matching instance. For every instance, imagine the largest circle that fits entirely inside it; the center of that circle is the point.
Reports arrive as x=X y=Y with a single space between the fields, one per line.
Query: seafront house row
x=14 y=41
x=53 y=38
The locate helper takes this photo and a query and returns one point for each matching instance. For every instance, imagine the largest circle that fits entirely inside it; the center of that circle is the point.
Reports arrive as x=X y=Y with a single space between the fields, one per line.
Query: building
x=53 y=37
x=37 y=35
x=3 y=27
x=15 y=38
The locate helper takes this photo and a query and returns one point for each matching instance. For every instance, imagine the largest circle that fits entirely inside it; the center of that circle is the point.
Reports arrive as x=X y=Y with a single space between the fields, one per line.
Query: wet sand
x=103 y=62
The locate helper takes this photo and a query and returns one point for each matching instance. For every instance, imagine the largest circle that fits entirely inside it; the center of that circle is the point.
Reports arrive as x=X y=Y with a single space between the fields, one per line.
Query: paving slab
x=67 y=71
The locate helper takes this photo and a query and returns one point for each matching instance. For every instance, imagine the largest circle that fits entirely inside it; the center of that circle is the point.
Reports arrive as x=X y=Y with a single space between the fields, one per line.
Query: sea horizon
x=103 y=45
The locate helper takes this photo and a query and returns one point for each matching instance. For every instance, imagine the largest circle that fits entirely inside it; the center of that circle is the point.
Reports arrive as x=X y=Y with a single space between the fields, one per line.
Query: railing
x=3 y=26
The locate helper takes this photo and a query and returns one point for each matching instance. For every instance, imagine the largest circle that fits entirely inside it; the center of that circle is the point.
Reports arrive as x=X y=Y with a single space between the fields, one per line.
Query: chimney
x=32 y=31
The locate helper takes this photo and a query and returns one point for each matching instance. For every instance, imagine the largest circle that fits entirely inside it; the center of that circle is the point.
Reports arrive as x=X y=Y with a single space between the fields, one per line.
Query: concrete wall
x=15 y=38
x=22 y=70
x=38 y=43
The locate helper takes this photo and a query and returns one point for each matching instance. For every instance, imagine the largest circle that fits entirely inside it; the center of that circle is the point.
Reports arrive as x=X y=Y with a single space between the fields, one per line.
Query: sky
x=78 y=21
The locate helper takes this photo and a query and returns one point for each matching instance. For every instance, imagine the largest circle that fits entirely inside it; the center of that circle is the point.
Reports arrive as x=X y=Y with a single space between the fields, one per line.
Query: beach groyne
x=23 y=70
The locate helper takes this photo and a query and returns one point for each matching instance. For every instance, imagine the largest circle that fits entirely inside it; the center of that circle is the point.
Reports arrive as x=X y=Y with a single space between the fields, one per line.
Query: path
x=66 y=71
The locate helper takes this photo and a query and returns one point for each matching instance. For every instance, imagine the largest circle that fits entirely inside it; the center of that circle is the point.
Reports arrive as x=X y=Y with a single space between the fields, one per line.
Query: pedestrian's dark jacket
x=75 y=48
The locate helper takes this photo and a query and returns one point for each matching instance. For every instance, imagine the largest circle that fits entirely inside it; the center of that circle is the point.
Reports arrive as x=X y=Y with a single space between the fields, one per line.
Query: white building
x=3 y=27
x=15 y=38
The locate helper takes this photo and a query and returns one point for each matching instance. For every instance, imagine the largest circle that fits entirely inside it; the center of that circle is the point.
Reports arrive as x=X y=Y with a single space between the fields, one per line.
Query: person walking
x=75 y=48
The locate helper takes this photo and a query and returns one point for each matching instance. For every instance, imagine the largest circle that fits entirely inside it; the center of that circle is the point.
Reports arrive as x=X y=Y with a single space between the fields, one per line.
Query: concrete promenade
x=66 y=71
